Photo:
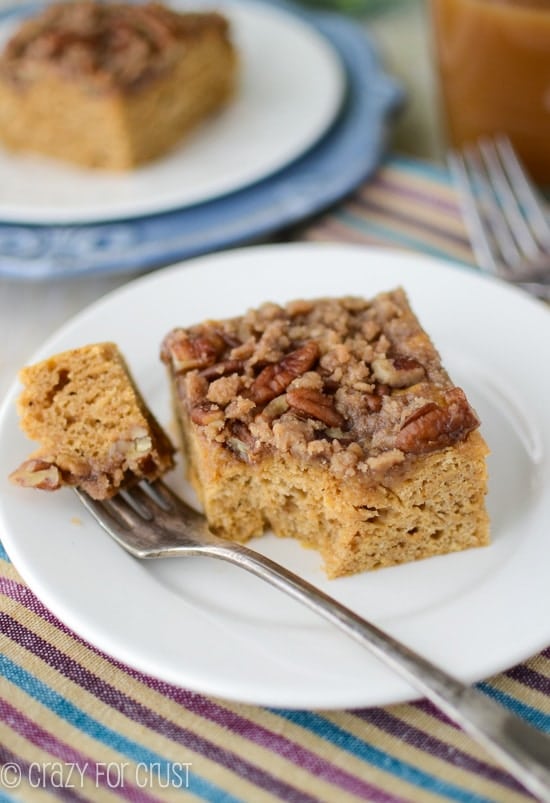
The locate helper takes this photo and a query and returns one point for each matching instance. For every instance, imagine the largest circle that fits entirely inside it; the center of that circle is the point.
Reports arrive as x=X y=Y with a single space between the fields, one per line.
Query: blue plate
x=347 y=155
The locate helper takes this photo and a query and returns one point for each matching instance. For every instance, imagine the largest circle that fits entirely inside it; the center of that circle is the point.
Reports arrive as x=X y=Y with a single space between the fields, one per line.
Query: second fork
x=506 y=219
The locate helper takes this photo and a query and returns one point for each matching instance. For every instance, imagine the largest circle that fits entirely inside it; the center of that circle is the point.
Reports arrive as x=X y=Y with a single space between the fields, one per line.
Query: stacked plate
x=308 y=125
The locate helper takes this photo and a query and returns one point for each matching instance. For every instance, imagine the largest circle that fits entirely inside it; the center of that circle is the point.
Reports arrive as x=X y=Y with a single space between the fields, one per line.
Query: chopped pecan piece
x=276 y=377
x=374 y=399
x=315 y=404
x=435 y=426
x=398 y=372
x=133 y=446
x=37 y=473
x=275 y=408
x=223 y=368
x=205 y=413
x=241 y=441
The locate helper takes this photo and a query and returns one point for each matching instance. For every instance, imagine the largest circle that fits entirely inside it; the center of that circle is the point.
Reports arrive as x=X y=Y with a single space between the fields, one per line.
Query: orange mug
x=493 y=59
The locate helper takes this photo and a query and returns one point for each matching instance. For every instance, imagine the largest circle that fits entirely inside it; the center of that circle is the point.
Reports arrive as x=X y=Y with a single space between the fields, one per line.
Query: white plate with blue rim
x=346 y=154
x=212 y=628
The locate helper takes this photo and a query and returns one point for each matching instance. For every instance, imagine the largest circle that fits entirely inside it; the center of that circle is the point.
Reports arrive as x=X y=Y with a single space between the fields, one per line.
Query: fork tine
x=507 y=200
x=159 y=493
x=119 y=518
x=111 y=515
x=490 y=209
x=505 y=220
x=524 y=191
x=476 y=228
x=122 y=510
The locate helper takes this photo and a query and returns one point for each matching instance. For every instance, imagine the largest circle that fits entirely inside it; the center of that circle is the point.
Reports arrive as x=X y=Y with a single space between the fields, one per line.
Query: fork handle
x=522 y=749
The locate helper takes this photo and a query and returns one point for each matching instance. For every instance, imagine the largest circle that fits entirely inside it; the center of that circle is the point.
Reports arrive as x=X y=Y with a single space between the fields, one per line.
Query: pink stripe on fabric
x=66 y=754
x=367 y=204
x=428 y=197
x=196 y=703
x=25 y=768
x=332 y=228
x=422 y=740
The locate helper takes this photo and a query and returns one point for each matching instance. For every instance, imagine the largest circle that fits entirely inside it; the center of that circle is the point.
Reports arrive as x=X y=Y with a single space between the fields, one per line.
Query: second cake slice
x=112 y=85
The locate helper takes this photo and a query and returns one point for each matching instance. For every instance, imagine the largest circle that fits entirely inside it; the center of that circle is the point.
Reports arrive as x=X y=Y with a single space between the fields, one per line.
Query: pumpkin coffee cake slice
x=113 y=85
x=332 y=421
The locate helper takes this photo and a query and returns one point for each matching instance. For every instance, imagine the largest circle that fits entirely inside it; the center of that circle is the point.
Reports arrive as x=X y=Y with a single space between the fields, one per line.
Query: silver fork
x=505 y=216
x=150 y=521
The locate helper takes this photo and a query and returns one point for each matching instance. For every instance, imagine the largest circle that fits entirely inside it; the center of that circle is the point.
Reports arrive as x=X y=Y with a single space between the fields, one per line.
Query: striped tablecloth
x=77 y=725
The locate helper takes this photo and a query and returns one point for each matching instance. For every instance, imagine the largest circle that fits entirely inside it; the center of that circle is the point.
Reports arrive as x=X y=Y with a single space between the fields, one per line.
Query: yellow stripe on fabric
x=326 y=750
x=263 y=757
x=541 y=664
x=401 y=204
x=338 y=231
x=43 y=765
x=426 y=762
x=355 y=226
x=111 y=764
x=421 y=182
x=299 y=777
x=537 y=663
x=521 y=692
x=385 y=780
x=417 y=238
x=25 y=793
x=428 y=214
x=440 y=729
x=170 y=750
x=112 y=719
x=456 y=739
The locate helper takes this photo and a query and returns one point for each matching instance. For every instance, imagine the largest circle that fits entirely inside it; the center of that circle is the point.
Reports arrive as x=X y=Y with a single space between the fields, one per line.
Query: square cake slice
x=334 y=422
x=94 y=428
x=112 y=85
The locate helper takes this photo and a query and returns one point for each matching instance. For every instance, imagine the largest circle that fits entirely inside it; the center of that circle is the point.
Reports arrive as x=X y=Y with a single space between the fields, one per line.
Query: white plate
x=291 y=88
x=214 y=629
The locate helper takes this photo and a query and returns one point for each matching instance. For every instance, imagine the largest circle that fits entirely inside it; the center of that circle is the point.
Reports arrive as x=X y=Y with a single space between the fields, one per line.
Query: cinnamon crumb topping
x=106 y=45
x=356 y=384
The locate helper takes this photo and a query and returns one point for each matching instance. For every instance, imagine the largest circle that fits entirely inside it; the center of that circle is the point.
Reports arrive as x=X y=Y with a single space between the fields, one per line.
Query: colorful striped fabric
x=76 y=725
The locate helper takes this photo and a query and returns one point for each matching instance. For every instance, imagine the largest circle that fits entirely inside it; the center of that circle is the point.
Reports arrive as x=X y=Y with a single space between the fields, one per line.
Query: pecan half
x=187 y=351
x=276 y=377
x=435 y=426
x=315 y=404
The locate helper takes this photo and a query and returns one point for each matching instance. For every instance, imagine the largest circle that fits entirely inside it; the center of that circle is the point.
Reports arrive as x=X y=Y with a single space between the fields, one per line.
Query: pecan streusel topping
x=107 y=45
x=357 y=384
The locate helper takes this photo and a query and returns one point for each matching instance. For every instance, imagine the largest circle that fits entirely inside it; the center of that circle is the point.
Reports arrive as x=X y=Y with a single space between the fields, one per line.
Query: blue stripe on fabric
x=3 y=554
x=425 y=169
x=533 y=715
x=376 y=757
x=64 y=709
x=385 y=232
